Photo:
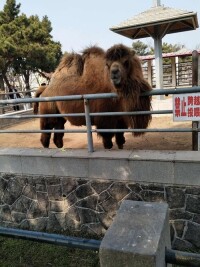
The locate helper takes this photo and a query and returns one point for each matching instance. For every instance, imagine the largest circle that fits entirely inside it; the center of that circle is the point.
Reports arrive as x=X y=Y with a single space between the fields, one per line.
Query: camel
x=70 y=64
x=97 y=71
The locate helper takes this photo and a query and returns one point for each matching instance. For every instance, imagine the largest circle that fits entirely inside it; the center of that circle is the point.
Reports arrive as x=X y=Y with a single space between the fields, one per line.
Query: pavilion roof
x=168 y=19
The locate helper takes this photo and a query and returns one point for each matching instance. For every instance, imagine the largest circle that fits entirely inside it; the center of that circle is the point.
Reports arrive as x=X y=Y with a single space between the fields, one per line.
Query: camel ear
x=133 y=52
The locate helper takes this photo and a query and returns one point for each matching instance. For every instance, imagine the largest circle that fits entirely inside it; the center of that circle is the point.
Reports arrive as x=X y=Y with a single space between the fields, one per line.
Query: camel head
x=119 y=64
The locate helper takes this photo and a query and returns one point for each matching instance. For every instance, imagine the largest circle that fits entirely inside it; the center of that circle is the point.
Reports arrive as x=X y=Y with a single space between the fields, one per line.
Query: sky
x=80 y=23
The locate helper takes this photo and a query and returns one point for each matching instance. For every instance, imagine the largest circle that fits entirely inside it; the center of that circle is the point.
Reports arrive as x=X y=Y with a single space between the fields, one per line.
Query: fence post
x=195 y=82
x=173 y=62
x=138 y=236
x=2 y=111
x=89 y=126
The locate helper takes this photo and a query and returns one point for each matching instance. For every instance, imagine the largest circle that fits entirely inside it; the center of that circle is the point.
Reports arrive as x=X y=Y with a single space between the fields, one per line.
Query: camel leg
x=45 y=137
x=120 y=140
x=58 y=137
x=107 y=140
x=119 y=137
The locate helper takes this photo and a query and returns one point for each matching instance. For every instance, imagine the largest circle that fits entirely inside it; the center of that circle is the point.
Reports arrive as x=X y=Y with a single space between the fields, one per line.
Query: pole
x=89 y=126
x=158 y=60
x=156 y=3
x=195 y=124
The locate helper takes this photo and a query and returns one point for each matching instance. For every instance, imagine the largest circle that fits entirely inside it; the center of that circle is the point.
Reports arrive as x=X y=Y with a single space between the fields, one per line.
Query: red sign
x=186 y=107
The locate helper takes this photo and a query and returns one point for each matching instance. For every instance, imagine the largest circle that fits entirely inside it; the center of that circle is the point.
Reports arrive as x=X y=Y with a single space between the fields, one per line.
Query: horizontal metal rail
x=160 y=112
x=182 y=258
x=171 y=256
x=89 y=130
x=55 y=239
x=158 y=130
x=100 y=96
x=174 y=91
x=59 y=98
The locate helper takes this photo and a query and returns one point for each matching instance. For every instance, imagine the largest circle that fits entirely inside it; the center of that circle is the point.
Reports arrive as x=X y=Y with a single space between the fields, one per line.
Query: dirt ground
x=149 y=141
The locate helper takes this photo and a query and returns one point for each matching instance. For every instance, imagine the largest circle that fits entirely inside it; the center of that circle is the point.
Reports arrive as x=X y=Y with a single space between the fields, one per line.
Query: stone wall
x=60 y=204
x=87 y=202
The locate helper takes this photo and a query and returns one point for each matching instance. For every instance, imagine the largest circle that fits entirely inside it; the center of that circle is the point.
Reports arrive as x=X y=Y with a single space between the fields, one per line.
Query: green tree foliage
x=26 y=44
x=141 y=48
x=10 y=11
x=169 y=48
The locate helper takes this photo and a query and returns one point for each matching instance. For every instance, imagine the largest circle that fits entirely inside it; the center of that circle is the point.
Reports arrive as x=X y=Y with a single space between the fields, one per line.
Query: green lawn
x=22 y=253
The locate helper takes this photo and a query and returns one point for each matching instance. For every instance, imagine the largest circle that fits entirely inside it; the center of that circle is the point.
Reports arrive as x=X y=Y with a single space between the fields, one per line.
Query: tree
x=26 y=44
x=170 y=48
x=10 y=11
x=38 y=52
x=140 y=48
x=143 y=49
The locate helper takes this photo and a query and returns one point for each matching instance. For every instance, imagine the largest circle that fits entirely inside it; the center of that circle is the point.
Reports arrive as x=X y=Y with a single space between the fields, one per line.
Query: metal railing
x=171 y=256
x=181 y=71
x=87 y=114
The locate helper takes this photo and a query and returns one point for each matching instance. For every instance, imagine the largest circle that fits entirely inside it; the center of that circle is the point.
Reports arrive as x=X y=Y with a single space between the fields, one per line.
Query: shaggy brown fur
x=95 y=71
x=39 y=91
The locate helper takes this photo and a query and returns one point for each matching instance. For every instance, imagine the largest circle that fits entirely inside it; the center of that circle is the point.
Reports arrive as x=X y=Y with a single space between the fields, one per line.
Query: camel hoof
x=45 y=143
x=108 y=145
x=120 y=146
x=58 y=143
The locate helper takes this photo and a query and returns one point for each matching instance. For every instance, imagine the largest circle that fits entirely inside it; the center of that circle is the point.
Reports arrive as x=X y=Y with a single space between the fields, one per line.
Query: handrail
x=195 y=89
x=171 y=256
x=89 y=130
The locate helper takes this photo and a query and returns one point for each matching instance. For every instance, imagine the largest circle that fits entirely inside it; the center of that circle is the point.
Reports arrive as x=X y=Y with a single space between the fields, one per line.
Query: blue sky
x=80 y=23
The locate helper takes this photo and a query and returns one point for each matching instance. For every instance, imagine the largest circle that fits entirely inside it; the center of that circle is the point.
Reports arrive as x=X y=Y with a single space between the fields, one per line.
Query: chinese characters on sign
x=186 y=107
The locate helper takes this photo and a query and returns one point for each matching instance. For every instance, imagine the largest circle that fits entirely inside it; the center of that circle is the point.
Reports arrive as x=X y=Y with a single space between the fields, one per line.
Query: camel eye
x=126 y=64
x=107 y=65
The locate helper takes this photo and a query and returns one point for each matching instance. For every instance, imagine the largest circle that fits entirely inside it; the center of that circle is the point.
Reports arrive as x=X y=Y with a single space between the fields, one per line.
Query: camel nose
x=115 y=76
x=115 y=71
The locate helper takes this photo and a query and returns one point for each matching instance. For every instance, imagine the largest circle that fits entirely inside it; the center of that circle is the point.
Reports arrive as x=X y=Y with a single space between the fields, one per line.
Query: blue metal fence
x=88 y=115
x=171 y=256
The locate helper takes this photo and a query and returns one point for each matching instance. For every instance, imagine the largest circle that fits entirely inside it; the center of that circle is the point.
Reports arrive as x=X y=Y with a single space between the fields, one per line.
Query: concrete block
x=38 y=152
x=37 y=165
x=137 y=237
x=151 y=171
x=11 y=151
x=187 y=173
x=70 y=167
x=153 y=155
x=111 y=154
x=111 y=169
x=72 y=153
x=10 y=164
x=187 y=156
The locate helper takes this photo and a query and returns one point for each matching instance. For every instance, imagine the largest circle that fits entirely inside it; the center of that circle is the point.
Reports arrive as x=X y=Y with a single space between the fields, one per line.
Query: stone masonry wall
x=57 y=204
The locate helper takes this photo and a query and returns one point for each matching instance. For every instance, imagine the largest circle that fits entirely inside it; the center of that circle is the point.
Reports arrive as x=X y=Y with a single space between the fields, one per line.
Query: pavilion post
x=158 y=61
x=195 y=82
x=156 y=3
x=173 y=62
x=149 y=71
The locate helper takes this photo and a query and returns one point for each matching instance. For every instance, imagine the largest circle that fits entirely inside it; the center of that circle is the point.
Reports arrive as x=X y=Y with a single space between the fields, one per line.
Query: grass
x=23 y=253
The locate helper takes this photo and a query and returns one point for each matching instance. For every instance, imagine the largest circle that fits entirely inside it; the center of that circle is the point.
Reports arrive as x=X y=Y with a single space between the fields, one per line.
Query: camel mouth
x=116 y=81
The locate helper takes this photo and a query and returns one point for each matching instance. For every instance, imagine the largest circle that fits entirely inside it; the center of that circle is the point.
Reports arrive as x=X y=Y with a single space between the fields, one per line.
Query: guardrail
x=87 y=114
x=171 y=256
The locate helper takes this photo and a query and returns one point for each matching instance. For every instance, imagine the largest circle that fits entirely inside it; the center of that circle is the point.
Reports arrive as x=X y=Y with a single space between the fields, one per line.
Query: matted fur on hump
x=93 y=50
x=70 y=59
